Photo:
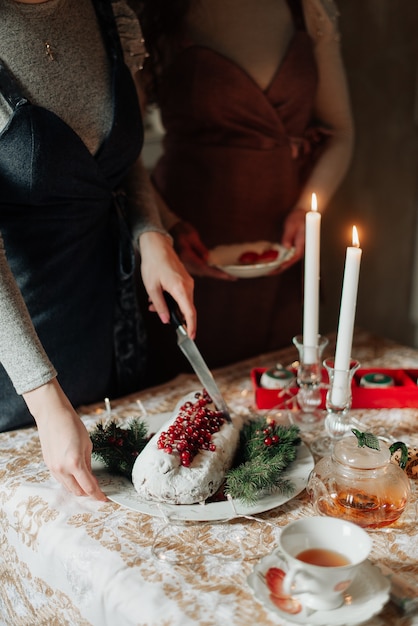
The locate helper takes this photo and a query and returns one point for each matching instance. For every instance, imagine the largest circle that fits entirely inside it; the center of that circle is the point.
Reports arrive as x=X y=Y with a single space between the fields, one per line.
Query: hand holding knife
x=190 y=350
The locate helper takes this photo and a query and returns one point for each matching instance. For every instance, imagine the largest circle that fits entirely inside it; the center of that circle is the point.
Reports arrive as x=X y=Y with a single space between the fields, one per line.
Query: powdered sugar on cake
x=165 y=475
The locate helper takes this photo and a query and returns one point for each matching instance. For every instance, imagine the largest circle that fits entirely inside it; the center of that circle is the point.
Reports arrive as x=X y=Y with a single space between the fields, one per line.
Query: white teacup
x=323 y=555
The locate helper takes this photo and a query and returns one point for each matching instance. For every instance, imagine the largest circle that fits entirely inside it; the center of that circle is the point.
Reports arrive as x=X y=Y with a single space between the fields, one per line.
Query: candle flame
x=314 y=203
x=356 y=241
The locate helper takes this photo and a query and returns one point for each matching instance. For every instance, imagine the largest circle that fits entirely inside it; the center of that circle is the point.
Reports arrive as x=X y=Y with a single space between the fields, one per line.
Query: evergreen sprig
x=260 y=465
x=118 y=447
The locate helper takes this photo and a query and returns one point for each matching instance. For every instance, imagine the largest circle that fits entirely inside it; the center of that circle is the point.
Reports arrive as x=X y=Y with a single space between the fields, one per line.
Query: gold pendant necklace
x=49 y=51
x=26 y=9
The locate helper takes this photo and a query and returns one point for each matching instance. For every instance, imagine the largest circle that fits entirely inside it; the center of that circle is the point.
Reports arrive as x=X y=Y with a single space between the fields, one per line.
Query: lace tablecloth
x=73 y=561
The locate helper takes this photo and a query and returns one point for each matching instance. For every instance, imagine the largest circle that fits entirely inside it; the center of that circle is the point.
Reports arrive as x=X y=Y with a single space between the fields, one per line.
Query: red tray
x=403 y=394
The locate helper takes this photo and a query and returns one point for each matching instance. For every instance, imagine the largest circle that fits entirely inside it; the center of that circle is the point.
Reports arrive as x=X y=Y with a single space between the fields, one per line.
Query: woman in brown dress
x=254 y=103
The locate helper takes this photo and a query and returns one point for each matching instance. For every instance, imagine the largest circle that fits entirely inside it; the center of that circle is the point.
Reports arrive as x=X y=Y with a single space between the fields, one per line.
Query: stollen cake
x=185 y=462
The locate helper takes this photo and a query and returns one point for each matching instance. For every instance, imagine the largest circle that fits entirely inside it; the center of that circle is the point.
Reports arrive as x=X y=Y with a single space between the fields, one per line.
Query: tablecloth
x=69 y=561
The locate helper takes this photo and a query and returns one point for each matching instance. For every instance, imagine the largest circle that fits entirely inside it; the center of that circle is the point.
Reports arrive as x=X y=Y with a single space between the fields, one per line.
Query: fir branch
x=248 y=482
x=118 y=447
x=260 y=464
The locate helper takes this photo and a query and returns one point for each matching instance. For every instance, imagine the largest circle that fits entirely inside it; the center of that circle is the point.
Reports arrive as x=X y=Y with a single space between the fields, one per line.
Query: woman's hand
x=65 y=442
x=162 y=270
x=193 y=253
x=294 y=236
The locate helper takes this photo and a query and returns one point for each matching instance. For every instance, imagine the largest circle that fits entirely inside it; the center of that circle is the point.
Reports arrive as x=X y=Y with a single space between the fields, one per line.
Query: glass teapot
x=360 y=482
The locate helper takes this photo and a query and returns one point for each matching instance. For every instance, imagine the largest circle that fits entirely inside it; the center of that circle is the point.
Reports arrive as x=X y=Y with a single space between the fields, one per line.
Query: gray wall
x=380 y=193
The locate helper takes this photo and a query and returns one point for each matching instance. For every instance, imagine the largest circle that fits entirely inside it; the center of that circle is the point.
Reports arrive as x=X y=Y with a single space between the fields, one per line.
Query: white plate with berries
x=121 y=490
x=250 y=260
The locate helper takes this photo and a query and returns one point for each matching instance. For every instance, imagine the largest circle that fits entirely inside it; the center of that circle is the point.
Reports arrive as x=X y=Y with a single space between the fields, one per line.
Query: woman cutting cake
x=74 y=202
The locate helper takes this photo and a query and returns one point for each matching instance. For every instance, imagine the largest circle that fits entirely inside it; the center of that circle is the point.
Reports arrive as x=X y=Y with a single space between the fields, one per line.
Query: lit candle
x=346 y=320
x=311 y=284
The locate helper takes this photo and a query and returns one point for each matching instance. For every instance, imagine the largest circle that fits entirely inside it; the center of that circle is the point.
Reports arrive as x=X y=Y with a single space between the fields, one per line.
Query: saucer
x=364 y=598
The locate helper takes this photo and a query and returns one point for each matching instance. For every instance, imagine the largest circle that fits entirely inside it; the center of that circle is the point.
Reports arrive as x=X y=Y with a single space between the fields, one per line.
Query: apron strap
x=109 y=28
x=130 y=338
x=10 y=89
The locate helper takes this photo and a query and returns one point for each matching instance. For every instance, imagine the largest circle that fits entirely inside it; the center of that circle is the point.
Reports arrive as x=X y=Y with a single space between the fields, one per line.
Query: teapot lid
x=352 y=452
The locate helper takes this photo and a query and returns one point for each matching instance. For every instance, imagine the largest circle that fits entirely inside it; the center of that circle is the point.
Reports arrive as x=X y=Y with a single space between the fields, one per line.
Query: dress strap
x=296 y=9
x=10 y=89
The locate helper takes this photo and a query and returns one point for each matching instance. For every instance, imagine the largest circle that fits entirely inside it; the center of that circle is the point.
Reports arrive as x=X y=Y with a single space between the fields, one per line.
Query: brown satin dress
x=234 y=162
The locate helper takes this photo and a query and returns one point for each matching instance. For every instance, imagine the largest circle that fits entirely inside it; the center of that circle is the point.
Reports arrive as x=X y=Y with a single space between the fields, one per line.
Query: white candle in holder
x=346 y=320
x=311 y=282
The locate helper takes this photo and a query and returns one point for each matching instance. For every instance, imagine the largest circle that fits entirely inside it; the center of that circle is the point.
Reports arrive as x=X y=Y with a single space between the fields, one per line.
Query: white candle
x=346 y=320
x=311 y=282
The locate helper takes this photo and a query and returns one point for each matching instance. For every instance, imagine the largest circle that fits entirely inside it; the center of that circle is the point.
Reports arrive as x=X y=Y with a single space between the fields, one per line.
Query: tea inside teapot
x=360 y=483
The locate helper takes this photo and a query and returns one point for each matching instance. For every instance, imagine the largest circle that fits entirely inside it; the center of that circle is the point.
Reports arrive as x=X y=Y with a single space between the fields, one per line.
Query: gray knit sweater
x=75 y=86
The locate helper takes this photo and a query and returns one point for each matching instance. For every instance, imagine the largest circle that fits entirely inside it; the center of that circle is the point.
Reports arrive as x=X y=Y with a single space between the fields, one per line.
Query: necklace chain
x=24 y=9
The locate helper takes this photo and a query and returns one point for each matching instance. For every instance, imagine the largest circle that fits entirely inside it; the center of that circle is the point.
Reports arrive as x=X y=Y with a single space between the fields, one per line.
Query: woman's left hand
x=161 y=271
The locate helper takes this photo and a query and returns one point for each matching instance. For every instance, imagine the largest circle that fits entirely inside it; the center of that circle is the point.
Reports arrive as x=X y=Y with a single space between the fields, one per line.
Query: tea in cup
x=323 y=555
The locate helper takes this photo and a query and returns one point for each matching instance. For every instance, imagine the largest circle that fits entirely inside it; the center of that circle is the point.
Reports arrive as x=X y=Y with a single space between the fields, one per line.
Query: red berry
x=267 y=441
x=248 y=258
x=192 y=429
x=186 y=458
x=268 y=256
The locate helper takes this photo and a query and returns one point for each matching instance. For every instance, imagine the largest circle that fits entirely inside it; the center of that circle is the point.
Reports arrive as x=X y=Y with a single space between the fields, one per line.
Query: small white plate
x=121 y=490
x=364 y=598
x=226 y=258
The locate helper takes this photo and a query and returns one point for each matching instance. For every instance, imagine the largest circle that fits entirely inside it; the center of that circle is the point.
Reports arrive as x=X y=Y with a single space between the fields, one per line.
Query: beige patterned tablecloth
x=73 y=561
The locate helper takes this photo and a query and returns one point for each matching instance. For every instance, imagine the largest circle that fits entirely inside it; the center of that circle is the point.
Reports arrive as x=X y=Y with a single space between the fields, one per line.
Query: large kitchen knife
x=190 y=350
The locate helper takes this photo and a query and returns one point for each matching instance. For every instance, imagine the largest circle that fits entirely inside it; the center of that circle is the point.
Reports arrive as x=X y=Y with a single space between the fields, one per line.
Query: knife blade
x=191 y=352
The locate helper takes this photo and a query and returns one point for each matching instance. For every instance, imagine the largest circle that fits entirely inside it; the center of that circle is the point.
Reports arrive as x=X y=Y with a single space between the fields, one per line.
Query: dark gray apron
x=67 y=242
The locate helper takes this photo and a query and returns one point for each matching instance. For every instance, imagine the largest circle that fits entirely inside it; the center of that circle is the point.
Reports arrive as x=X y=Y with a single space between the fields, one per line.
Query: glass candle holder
x=309 y=379
x=338 y=421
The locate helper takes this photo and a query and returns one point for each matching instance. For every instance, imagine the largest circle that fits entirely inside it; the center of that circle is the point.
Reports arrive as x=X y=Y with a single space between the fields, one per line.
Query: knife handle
x=176 y=317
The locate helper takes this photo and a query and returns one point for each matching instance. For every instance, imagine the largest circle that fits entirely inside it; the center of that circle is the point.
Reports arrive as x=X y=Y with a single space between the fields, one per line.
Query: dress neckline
x=189 y=45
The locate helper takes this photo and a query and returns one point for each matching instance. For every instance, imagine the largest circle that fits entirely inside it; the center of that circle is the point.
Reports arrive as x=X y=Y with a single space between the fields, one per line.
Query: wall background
x=380 y=193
